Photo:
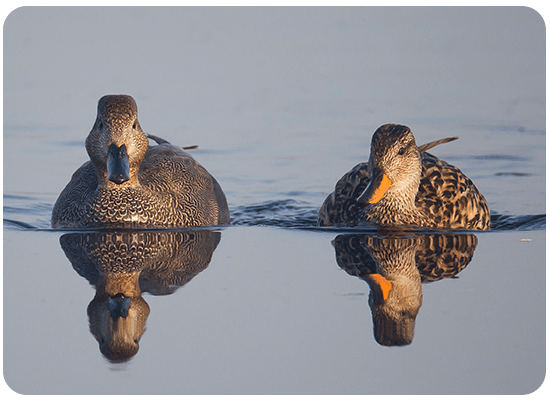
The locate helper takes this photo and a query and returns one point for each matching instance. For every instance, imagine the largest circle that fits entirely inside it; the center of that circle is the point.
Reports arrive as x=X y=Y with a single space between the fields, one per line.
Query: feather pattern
x=424 y=192
x=128 y=183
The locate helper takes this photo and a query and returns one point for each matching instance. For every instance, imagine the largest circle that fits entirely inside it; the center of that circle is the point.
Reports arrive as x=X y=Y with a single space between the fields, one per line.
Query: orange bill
x=377 y=187
x=380 y=190
x=383 y=284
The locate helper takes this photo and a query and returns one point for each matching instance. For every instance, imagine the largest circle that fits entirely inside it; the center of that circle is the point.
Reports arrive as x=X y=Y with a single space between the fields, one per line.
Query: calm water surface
x=282 y=102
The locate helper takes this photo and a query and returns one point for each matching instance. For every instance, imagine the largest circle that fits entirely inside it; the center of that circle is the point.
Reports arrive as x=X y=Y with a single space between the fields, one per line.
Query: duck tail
x=428 y=146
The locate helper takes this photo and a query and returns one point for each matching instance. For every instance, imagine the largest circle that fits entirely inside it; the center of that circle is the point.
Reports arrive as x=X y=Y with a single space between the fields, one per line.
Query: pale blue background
x=282 y=102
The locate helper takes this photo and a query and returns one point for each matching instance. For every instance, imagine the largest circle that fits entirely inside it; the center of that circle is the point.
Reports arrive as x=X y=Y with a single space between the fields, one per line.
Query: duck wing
x=449 y=197
x=341 y=205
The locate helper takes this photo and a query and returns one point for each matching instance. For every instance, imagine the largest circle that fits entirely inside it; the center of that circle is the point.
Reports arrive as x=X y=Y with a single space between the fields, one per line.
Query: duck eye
x=135 y=125
x=402 y=151
x=100 y=125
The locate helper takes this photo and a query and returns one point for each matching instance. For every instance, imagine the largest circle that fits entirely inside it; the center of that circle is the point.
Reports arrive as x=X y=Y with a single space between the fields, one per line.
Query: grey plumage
x=122 y=265
x=127 y=183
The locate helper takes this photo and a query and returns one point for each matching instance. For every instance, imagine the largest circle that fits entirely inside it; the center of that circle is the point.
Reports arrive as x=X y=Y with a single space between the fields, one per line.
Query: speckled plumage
x=424 y=192
x=159 y=186
x=399 y=264
x=122 y=265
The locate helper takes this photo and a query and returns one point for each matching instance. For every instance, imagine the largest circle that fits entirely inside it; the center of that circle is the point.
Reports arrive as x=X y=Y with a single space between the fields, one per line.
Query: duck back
x=449 y=198
x=446 y=198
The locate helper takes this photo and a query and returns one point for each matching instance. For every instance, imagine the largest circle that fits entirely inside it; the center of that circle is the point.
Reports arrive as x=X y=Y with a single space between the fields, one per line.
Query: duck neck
x=125 y=283
x=398 y=204
x=402 y=196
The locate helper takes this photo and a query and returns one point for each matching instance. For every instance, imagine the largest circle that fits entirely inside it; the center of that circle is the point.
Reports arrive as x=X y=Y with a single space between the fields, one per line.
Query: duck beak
x=118 y=164
x=119 y=305
x=383 y=284
x=378 y=186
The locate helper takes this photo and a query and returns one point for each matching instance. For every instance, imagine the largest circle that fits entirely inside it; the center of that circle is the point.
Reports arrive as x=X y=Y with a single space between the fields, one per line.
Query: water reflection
x=395 y=266
x=124 y=265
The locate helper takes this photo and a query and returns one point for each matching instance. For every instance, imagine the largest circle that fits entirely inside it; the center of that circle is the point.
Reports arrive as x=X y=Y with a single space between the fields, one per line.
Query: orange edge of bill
x=380 y=190
x=384 y=285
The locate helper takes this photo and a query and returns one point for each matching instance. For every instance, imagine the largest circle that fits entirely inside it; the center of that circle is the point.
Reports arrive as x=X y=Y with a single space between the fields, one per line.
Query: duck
x=129 y=183
x=402 y=185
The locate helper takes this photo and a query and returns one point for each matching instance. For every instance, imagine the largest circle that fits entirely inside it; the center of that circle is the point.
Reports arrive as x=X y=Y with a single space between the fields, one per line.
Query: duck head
x=117 y=315
x=395 y=165
x=396 y=289
x=116 y=144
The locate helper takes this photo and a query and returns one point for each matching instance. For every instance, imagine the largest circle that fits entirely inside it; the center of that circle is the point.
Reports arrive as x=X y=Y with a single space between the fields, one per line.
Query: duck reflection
x=124 y=265
x=395 y=266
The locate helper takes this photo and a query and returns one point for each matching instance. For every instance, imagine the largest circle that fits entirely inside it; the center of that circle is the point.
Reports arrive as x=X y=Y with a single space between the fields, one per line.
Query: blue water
x=281 y=102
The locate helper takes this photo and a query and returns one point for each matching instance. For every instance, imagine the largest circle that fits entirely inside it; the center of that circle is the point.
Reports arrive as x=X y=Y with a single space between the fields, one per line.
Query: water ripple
x=287 y=213
x=282 y=213
x=296 y=214
x=518 y=222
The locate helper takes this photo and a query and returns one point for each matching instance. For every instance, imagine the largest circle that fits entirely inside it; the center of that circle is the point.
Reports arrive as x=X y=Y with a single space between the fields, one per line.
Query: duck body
x=403 y=185
x=130 y=184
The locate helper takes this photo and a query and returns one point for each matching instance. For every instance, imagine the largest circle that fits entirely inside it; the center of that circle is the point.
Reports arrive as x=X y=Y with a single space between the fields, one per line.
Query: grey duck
x=130 y=184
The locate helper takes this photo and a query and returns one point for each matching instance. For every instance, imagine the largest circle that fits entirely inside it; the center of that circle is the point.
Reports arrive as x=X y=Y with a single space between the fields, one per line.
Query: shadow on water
x=395 y=266
x=124 y=265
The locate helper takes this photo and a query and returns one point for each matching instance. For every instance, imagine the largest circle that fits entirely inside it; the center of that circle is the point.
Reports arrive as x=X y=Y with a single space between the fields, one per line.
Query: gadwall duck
x=403 y=185
x=130 y=184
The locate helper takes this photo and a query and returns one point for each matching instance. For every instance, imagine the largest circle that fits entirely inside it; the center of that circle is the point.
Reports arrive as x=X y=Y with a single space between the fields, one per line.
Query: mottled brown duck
x=403 y=185
x=129 y=183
